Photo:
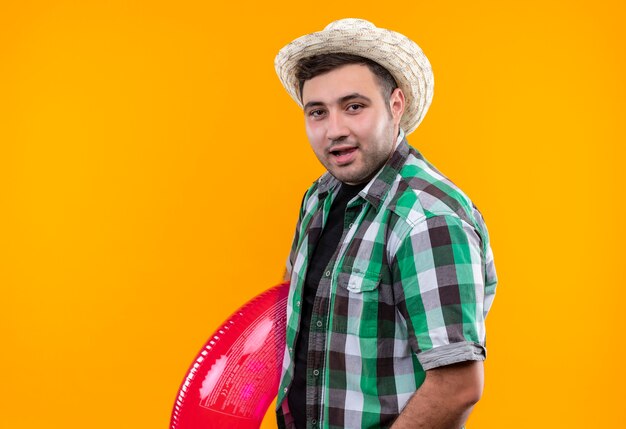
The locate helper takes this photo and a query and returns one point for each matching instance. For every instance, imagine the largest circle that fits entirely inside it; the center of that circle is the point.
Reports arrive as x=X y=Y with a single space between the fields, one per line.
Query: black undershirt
x=324 y=250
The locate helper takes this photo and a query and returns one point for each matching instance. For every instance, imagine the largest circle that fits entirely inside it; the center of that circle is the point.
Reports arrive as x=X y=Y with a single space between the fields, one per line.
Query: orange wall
x=151 y=168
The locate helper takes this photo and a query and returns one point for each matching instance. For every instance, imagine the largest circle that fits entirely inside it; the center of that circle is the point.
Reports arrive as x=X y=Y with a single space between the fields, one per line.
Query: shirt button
x=290 y=350
x=351 y=225
x=314 y=421
x=327 y=273
x=298 y=304
x=316 y=372
x=319 y=323
x=285 y=390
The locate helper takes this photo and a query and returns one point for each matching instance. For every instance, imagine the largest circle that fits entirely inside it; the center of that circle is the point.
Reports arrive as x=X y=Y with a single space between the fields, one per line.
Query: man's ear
x=396 y=105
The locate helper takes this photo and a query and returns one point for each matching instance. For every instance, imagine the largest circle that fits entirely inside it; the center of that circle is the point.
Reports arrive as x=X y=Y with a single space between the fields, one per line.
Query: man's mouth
x=343 y=155
x=342 y=151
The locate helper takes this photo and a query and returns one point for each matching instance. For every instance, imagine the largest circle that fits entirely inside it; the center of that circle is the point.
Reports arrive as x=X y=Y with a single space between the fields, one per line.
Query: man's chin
x=350 y=179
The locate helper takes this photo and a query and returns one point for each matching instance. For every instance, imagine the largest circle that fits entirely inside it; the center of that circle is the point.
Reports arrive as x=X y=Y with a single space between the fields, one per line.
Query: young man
x=391 y=270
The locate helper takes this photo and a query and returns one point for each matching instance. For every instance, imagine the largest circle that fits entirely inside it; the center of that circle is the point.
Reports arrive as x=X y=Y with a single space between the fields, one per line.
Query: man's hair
x=310 y=67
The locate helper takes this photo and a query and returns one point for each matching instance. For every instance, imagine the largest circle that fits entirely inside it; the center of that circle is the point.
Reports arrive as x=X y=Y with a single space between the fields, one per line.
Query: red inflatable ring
x=235 y=376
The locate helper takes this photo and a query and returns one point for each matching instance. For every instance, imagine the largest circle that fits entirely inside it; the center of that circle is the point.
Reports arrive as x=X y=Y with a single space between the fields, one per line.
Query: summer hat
x=397 y=53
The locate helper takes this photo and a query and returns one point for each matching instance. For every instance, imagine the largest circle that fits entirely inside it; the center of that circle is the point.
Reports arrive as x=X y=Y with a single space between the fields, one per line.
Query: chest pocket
x=356 y=303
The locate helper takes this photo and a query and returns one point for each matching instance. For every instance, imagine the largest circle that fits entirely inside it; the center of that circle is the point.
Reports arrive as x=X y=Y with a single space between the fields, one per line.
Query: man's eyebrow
x=312 y=104
x=352 y=97
x=340 y=100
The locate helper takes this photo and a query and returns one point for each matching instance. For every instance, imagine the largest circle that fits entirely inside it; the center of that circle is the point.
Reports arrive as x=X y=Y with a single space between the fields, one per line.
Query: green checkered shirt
x=407 y=290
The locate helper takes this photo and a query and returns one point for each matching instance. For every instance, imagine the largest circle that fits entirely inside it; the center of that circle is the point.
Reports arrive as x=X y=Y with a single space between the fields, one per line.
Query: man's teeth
x=340 y=152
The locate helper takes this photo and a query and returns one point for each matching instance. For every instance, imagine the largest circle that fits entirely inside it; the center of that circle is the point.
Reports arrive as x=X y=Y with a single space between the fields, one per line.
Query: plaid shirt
x=407 y=290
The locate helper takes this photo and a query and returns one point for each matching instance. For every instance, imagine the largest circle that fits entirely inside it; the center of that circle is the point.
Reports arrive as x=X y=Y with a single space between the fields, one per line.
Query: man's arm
x=445 y=398
x=294 y=243
x=441 y=296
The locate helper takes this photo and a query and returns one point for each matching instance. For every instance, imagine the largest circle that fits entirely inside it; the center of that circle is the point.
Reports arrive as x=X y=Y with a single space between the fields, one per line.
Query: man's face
x=351 y=129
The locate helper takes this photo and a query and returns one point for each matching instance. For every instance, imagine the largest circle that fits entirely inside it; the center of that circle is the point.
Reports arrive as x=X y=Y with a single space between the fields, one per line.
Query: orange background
x=151 y=168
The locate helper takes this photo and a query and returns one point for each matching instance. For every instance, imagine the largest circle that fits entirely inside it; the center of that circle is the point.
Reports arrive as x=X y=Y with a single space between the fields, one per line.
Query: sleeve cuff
x=451 y=353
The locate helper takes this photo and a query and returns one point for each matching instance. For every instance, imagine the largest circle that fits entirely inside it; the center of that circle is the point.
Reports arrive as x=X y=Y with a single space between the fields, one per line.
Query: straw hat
x=397 y=53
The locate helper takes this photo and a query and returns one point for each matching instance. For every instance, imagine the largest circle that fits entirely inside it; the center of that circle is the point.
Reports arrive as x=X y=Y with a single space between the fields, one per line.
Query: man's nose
x=337 y=128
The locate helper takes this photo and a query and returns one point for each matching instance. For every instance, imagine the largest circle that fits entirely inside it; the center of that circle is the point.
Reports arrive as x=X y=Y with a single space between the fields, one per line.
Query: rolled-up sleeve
x=439 y=284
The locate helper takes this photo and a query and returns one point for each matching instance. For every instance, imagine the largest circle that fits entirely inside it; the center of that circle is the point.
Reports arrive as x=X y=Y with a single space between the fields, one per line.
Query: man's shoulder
x=422 y=191
x=318 y=189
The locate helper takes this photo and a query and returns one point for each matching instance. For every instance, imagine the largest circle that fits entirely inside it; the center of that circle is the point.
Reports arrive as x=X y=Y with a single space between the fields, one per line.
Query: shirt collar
x=379 y=185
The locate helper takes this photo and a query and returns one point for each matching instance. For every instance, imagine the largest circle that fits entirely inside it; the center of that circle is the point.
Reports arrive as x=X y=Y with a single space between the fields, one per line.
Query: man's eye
x=316 y=113
x=354 y=107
